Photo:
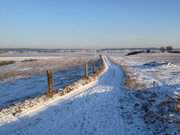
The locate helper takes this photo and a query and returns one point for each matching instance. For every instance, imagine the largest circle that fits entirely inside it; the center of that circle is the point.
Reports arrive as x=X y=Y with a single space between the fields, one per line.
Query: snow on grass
x=92 y=111
x=36 y=104
x=154 y=69
x=38 y=65
x=104 y=108
x=158 y=98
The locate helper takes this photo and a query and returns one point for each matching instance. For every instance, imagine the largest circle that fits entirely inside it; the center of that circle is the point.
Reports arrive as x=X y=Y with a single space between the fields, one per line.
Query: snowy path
x=97 y=110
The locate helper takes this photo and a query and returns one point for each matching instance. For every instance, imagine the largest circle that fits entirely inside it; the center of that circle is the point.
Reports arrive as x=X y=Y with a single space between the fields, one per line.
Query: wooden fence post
x=100 y=56
x=94 y=67
x=101 y=60
x=86 y=70
x=50 y=83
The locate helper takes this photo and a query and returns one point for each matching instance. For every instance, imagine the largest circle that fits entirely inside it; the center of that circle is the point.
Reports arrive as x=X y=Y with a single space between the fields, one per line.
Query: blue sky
x=89 y=23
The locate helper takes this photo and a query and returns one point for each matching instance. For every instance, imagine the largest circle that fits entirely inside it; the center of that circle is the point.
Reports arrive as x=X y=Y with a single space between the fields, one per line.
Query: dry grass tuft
x=131 y=81
x=177 y=108
x=2 y=63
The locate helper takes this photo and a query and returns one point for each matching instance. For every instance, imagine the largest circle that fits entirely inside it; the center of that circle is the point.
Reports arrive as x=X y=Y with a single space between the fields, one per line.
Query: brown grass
x=29 y=60
x=131 y=82
x=40 y=66
x=2 y=63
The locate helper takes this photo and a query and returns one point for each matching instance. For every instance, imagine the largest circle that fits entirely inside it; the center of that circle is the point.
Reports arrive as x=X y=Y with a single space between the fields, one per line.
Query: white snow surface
x=95 y=110
x=160 y=74
x=101 y=108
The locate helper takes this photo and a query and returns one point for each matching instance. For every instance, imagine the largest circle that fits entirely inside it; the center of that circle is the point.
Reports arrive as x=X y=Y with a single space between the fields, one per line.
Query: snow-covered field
x=27 y=66
x=101 y=109
x=161 y=69
x=159 y=96
x=66 y=70
x=106 y=107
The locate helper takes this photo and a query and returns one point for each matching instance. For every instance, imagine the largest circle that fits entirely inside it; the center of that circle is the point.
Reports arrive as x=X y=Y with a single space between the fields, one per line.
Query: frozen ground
x=160 y=75
x=106 y=108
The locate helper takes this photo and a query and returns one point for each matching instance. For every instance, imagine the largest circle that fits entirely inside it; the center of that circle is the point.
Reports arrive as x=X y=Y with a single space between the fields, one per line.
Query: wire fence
x=36 y=85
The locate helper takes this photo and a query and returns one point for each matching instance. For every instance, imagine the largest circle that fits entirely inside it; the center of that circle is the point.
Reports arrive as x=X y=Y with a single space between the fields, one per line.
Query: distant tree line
x=166 y=49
